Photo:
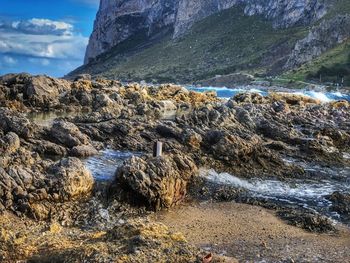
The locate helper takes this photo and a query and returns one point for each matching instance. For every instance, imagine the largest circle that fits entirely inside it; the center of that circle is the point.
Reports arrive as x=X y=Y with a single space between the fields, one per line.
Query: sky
x=44 y=36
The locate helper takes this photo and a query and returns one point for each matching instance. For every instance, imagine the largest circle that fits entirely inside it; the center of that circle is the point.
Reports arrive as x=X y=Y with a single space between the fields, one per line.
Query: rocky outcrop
x=68 y=134
x=159 y=182
x=321 y=38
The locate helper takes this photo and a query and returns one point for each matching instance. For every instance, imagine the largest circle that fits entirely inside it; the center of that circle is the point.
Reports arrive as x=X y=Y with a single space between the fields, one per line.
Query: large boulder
x=161 y=181
x=11 y=143
x=70 y=179
x=68 y=134
x=43 y=91
x=11 y=121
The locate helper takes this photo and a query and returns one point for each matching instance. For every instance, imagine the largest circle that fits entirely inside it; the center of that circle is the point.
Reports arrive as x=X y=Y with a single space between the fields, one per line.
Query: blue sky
x=44 y=36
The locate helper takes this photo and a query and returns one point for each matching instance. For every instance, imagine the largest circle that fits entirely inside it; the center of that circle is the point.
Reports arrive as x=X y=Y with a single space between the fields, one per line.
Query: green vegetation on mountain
x=223 y=43
x=331 y=67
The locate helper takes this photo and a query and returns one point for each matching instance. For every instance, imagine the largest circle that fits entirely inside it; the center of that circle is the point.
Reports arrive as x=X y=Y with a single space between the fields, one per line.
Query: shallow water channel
x=104 y=165
x=310 y=194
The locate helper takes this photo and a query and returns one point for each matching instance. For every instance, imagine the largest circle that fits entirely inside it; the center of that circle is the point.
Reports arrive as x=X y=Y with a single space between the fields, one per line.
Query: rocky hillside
x=184 y=41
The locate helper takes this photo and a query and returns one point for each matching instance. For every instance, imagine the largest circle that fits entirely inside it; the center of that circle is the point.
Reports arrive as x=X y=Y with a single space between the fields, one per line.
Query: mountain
x=191 y=40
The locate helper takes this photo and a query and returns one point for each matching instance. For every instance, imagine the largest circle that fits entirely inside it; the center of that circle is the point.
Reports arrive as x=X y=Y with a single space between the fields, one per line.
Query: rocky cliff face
x=118 y=20
x=322 y=37
x=283 y=13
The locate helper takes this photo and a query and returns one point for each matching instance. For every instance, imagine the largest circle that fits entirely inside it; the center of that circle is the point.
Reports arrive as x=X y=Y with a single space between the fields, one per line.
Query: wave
x=276 y=188
x=225 y=92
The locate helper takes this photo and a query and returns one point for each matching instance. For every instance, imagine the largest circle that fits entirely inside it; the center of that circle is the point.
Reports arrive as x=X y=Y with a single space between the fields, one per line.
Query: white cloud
x=10 y=61
x=40 y=46
x=42 y=38
x=38 y=26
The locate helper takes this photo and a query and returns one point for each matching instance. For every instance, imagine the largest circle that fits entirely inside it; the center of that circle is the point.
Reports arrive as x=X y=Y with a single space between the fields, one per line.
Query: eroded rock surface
x=160 y=182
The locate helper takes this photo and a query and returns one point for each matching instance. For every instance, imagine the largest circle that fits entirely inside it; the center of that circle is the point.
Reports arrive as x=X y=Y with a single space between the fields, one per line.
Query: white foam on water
x=338 y=94
x=319 y=96
x=253 y=90
x=297 y=189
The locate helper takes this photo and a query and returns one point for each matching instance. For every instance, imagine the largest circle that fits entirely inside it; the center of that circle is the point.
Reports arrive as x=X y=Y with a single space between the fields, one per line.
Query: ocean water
x=227 y=93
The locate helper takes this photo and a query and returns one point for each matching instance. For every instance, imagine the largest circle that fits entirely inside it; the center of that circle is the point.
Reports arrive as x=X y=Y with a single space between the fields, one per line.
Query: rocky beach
x=270 y=174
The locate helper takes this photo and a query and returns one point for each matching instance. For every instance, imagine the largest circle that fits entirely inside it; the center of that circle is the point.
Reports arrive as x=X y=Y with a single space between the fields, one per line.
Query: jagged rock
x=340 y=203
x=12 y=142
x=83 y=151
x=309 y=221
x=192 y=139
x=12 y=121
x=160 y=182
x=70 y=179
x=68 y=134
x=82 y=77
x=280 y=106
x=48 y=148
x=234 y=148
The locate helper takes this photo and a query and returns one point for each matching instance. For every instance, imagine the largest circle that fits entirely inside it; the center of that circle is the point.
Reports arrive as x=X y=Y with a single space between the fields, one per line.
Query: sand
x=254 y=234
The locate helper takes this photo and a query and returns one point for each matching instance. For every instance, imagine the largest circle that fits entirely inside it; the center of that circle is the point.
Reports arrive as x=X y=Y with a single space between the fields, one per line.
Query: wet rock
x=227 y=194
x=161 y=182
x=68 y=134
x=70 y=179
x=340 y=203
x=307 y=220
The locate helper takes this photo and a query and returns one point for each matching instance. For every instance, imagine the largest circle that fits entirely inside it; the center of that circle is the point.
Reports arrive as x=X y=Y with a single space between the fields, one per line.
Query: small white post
x=157 y=149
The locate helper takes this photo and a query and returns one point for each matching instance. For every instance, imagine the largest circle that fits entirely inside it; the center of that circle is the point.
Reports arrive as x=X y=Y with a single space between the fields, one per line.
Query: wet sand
x=254 y=234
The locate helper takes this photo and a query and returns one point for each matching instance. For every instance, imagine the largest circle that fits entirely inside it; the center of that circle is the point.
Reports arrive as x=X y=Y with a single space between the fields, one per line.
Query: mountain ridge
x=271 y=35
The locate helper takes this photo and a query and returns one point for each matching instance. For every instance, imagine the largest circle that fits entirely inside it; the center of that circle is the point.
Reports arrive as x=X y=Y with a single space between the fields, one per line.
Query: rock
x=192 y=139
x=12 y=142
x=83 y=77
x=48 y=148
x=280 y=106
x=102 y=100
x=233 y=148
x=68 y=134
x=11 y=121
x=83 y=151
x=254 y=98
x=340 y=203
x=159 y=182
x=307 y=220
x=44 y=91
x=70 y=179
